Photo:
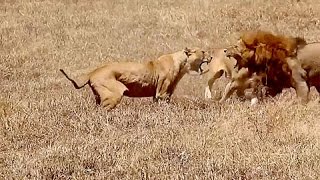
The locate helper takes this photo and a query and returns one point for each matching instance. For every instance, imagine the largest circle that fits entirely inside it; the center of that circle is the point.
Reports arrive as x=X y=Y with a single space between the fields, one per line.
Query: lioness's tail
x=84 y=82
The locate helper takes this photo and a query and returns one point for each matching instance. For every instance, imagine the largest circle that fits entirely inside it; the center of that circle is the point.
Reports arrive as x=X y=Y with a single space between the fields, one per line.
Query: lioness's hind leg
x=96 y=95
x=111 y=102
x=111 y=93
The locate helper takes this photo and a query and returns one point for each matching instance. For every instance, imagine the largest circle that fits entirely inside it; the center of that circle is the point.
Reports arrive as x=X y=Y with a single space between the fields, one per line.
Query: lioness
x=240 y=79
x=157 y=78
x=216 y=67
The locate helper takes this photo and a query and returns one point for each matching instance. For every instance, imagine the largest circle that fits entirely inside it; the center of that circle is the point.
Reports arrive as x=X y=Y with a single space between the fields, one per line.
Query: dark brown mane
x=270 y=54
x=288 y=44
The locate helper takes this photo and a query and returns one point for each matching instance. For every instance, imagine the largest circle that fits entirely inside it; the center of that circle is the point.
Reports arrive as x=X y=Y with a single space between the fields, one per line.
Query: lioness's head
x=240 y=53
x=196 y=57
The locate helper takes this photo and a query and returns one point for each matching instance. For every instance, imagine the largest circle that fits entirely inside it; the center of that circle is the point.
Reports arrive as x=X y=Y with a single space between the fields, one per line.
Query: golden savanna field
x=49 y=130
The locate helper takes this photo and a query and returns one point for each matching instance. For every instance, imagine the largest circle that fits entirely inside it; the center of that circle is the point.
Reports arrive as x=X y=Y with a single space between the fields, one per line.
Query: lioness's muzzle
x=205 y=61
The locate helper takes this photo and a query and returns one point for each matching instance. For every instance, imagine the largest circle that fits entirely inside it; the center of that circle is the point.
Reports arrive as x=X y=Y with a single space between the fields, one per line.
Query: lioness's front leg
x=159 y=85
x=162 y=90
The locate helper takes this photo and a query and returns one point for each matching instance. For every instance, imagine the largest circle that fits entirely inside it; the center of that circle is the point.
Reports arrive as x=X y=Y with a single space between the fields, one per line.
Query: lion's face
x=235 y=50
x=232 y=51
x=196 y=56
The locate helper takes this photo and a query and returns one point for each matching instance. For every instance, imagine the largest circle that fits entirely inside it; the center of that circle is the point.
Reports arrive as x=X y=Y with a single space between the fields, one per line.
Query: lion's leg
x=240 y=92
x=241 y=86
x=208 y=90
x=300 y=84
x=318 y=89
x=256 y=95
x=105 y=96
x=256 y=84
x=257 y=90
x=230 y=88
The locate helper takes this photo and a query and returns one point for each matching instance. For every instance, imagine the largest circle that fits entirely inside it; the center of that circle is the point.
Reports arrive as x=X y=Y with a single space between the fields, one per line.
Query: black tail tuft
x=72 y=81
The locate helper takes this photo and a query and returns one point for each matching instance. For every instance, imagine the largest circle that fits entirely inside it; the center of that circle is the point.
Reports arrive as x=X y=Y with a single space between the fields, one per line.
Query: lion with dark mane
x=272 y=57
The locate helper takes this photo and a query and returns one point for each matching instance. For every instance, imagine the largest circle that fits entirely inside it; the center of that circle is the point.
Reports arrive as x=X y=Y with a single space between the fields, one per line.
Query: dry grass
x=50 y=130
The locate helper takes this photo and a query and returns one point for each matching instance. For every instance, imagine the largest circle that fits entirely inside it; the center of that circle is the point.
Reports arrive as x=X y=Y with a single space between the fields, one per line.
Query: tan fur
x=156 y=79
x=240 y=80
x=275 y=56
x=309 y=57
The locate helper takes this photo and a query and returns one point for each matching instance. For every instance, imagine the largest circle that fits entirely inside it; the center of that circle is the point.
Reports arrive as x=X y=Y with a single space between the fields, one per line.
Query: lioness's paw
x=254 y=101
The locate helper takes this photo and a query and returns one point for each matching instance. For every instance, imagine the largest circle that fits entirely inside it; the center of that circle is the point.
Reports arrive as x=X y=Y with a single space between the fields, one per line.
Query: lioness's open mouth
x=208 y=60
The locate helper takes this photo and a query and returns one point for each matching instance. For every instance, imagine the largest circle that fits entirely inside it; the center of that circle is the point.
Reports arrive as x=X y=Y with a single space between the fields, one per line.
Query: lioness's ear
x=187 y=51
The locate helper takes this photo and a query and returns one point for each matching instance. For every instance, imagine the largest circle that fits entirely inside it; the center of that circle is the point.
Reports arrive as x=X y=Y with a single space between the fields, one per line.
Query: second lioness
x=240 y=79
x=157 y=78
